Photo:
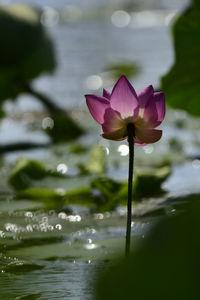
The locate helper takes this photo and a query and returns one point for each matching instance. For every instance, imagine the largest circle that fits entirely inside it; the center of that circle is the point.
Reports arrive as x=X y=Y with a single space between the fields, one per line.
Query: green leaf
x=147 y=183
x=79 y=250
x=28 y=297
x=97 y=160
x=127 y=68
x=181 y=84
x=26 y=171
x=64 y=129
x=164 y=265
x=22 y=267
x=26 y=50
x=107 y=197
x=43 y=195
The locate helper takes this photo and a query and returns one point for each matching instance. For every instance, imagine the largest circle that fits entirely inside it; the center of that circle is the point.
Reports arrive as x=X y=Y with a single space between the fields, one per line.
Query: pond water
x=52 y=254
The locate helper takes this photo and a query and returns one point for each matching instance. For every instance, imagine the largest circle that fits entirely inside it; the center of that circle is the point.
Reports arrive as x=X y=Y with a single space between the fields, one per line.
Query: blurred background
x=63 y=188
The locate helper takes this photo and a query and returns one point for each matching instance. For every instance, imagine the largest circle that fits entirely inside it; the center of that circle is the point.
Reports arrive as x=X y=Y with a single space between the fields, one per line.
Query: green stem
x=130 y=129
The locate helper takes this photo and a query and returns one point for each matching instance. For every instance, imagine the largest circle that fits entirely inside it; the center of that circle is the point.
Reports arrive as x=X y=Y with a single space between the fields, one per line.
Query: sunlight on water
x=148 y=149
x=58 y=226
x=107 y=150
x=94 y=82
x=120 y=18
x=62 y=168
x=71 y=13
x=123 y=150
x=99 y=216
x=196 y=163
x=151 y=18
x=47 y=123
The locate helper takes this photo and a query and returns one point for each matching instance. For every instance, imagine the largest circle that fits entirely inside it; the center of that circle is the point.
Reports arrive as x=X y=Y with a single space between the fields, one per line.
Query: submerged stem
x=130 y=128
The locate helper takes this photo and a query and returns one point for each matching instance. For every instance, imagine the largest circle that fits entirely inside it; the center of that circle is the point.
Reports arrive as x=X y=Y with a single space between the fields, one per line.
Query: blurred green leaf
x=106 y=193
x=147 y=183
x=76 y=148
x=26 y=50
x=43 y=195
x=22 y=267
x=97 y=160
x=127 y=68
x=181 y=84
x=64 y=129
x=164 y=265
x=80 y=196
x=25 y=171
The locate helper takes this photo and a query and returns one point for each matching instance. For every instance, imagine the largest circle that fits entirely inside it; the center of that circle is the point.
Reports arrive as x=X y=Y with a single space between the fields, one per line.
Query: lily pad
x=78 y=250
x=26 y=171
x=147 y=183
x=22 y=267
x=50 y=198
x=28 y=297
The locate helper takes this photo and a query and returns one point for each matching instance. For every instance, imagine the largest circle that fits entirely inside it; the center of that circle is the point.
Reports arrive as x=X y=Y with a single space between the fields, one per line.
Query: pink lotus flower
x=145 y=110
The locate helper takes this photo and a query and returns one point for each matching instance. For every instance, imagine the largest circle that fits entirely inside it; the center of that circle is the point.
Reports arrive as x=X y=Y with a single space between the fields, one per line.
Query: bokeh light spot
x=120 y=18
x=94 y=82
x=123 y=150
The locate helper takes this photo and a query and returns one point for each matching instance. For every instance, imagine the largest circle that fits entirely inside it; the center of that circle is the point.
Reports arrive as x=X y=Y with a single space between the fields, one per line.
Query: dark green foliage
x=97 y=160
x=22 y=267
x=26 y=50
x=175 y=145
x=50 y=198
x=26 y=171
x=116 y=69
x=106 y=193
x=76 y=148
x=165 y=265
x=147 y=183
x=81 y=196
x=181 y=84
x=64 y=129
x=181 y=203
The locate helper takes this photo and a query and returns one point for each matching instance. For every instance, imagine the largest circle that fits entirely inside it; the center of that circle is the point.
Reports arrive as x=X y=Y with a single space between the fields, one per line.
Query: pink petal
x=139 y=143
x=150 y=115
x=144 y=95
x=97 y=106
x=159 y=99
x=148 y=135
x=124 y=98
x=117 y=135
x=106 y=94
x=112 y=121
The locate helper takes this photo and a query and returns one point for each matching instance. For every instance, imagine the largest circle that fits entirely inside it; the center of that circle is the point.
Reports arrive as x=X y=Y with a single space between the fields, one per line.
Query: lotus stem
x=130 y=129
